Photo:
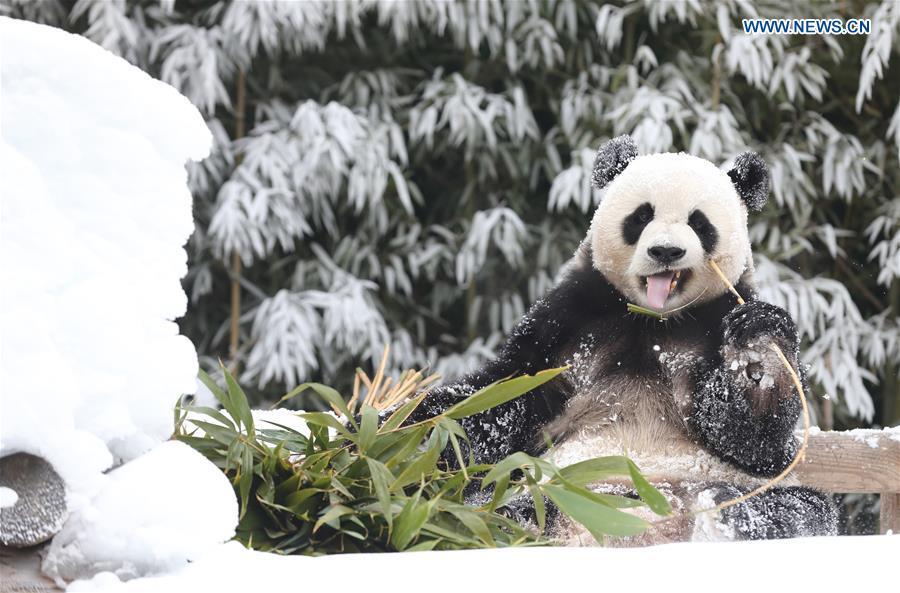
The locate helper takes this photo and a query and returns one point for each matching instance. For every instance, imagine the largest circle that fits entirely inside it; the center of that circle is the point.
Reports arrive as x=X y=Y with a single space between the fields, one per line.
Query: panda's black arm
x=515 y=425
x=745 y=405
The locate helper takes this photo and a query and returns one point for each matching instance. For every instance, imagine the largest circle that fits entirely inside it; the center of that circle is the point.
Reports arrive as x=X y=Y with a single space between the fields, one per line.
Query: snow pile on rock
x=96 y=211
x=147 y=519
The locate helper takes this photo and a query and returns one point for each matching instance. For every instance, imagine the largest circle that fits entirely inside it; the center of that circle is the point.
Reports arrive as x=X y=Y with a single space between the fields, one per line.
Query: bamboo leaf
x=594 y=470
x=650 y=495
x=332 y=517
x=598 y=518
x=381 y=480
x=410 y=521
x=217 y=391
x=367 y=428
x=212 y=413
x=415 y=471
x=324 y=419
x=328 y=394
x=400 y=451
x=499 y=393
x=402 y=413
x=540 y=510
x=424 y=546
x=246 y=479
x=506 y=466
x=238 y=408
x=475 y=524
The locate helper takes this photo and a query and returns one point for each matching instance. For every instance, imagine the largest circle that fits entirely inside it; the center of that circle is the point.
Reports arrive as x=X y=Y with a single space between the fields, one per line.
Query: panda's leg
x=779 y=513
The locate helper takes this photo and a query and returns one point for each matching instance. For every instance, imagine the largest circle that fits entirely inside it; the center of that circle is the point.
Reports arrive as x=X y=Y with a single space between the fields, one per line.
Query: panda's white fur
x=676 y=185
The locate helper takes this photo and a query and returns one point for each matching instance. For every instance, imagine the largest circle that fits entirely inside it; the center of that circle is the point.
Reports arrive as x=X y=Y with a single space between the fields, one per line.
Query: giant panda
x=699 y=401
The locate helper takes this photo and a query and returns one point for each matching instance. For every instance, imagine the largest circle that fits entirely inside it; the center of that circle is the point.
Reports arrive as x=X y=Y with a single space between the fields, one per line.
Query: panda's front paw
x=755 y=320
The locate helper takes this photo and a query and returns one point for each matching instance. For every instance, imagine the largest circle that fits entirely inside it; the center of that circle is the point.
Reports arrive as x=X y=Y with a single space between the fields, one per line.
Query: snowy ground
x=780 y=565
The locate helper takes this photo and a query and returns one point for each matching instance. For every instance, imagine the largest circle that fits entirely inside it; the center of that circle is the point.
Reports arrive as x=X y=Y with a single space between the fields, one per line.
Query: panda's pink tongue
x=658 y=289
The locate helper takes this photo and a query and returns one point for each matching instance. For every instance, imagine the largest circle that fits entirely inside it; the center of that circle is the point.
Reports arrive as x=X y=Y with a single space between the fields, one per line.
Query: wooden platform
x=861 y=461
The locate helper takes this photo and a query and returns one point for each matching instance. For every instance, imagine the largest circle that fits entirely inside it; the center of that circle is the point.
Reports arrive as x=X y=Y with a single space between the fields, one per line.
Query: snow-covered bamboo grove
x=415 y=173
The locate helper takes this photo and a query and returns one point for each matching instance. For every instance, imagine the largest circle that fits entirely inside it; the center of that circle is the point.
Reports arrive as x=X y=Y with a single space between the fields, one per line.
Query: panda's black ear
x=750 y=177
x=611 y=159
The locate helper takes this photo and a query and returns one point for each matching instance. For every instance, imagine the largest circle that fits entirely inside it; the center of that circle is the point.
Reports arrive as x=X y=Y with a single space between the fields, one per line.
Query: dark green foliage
x=365 y=487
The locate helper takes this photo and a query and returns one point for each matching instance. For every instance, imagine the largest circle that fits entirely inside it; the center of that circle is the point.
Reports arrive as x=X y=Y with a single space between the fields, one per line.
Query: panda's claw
x=756 y=319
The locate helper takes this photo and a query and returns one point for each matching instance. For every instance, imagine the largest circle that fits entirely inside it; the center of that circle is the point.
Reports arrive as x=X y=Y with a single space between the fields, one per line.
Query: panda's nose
x=665 y=255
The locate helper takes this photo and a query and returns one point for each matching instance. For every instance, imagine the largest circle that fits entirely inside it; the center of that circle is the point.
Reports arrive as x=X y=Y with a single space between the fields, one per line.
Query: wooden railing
x=863 y=461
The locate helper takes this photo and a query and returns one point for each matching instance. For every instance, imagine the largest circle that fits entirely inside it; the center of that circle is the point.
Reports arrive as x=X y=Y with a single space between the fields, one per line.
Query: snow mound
x=96 y=211
x=153 y=515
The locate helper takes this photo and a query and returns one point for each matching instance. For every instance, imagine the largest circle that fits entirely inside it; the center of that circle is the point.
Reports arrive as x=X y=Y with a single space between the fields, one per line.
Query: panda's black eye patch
x=705 y=230
x=634 y=223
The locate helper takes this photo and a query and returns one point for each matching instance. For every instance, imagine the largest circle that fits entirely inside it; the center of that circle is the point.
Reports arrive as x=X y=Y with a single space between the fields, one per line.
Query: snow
x=709 y=566
x=892 y=433
x=8 y=497
x=96 y=211
x=870 y=436
x=276 y=419
x=203 y=396
x=281 y=417
x=153 y=514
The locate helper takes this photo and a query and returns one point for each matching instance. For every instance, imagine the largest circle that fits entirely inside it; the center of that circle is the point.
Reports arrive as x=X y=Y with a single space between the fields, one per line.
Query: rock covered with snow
x=153 y=515
x=32 y=500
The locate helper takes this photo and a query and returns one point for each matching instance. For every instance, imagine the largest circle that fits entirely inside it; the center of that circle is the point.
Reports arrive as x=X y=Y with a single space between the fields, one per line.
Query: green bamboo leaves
x=499 y=393
x=367 y=483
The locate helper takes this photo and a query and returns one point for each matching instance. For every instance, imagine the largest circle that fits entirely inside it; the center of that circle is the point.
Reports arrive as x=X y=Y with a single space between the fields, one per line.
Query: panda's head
x=665 y=215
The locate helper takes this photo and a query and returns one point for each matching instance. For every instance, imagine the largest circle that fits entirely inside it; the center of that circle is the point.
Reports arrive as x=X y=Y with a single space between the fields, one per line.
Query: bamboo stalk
x=383 y=392
x=235 y=265
x=355 y=397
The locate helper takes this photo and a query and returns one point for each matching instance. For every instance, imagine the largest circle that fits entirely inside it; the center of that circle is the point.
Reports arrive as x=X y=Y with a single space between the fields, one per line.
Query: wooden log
x=862 y=461
x=890 y=512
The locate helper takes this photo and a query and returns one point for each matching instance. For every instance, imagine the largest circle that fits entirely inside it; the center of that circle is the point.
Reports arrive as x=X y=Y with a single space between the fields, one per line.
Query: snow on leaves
x=500 y=227
x=476 y=119
x=296 y=167
x=877 y=51
x=544 y=84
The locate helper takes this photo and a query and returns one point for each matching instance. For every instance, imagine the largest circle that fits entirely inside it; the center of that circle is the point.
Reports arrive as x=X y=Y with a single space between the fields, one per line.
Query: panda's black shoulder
x=581 y=296
x=582 y=290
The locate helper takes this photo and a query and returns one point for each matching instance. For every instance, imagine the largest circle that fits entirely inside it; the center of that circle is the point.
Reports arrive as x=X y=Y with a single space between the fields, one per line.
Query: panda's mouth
x=662 y=285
